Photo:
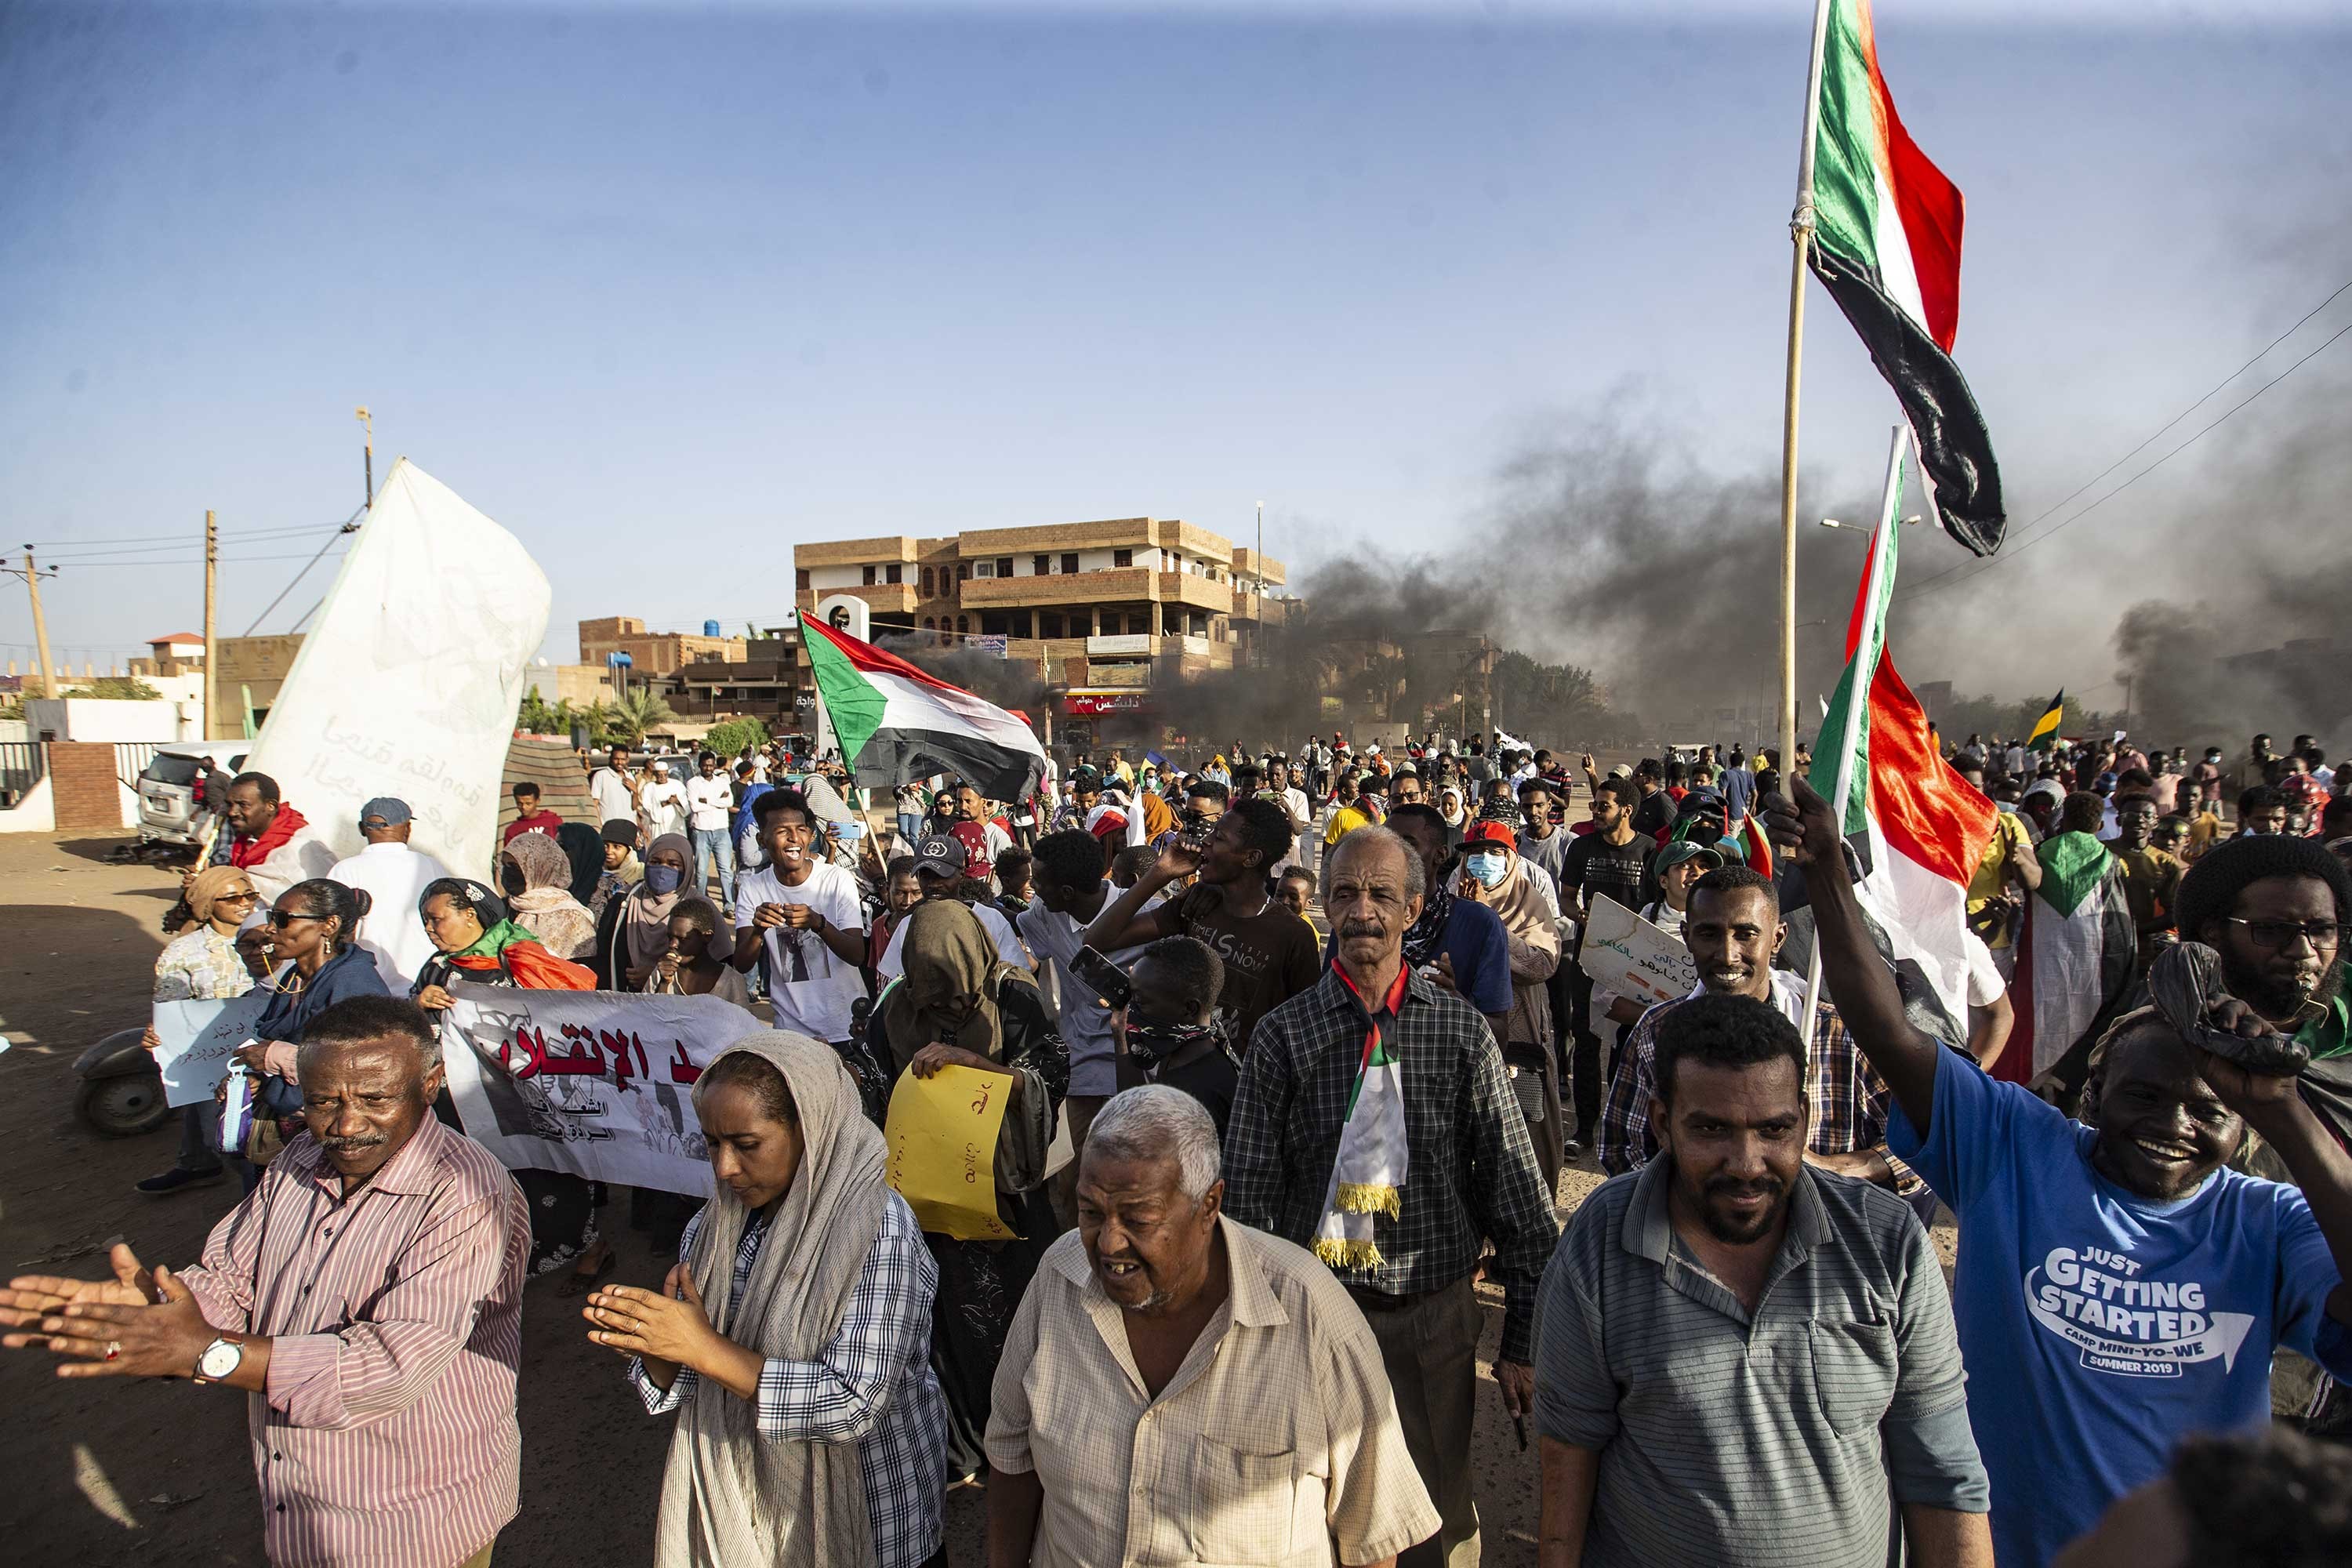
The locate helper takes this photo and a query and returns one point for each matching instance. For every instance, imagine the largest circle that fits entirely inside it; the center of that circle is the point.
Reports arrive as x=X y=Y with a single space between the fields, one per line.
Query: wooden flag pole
x=1801 y=236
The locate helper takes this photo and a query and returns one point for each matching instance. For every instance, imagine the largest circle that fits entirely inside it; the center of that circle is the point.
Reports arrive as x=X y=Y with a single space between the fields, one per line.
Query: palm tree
x=630 y=715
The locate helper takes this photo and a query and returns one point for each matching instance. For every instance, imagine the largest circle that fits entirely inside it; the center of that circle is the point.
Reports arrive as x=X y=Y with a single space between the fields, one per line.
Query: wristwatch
x=220 y=1360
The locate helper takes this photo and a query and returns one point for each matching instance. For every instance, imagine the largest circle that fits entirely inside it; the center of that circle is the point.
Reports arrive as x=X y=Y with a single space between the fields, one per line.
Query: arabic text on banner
x=1627 y=955
x=598 y=1083
x=195 y=1040
x=942 y=1135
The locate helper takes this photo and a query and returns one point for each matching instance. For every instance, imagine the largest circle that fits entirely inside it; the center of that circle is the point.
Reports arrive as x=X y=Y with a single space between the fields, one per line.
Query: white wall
x=104 y=718
x=37 y=813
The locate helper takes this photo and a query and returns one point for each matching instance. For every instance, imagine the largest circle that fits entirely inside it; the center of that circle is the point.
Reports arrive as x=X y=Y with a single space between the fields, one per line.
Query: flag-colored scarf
x=1368 y=1175
x=244 y=852
x=510 y=947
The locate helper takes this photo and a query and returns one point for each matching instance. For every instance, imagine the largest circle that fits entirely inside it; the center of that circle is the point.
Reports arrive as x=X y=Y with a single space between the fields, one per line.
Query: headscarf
x=645 y=917
x=585 y=847
x=1456 y=817
x=545 y=907
x=208 y=885
x=507 y=946
x=729 y=1494
x=948 y=991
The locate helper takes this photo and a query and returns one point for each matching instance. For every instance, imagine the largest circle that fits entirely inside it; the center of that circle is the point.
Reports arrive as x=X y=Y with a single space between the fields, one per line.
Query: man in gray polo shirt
x=1739 y=1357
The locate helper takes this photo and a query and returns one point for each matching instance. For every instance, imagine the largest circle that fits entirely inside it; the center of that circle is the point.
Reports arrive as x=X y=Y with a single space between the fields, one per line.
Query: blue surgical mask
x=664 y=879
x=1487 y=866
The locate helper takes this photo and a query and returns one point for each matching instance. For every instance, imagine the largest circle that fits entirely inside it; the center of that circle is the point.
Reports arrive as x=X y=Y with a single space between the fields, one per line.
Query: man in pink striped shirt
x=368 y=1299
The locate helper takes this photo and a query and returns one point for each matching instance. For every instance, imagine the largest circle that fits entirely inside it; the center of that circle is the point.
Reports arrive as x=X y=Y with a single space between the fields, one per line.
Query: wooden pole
x=1801 y=234
x=40 y=623
x=212 y=640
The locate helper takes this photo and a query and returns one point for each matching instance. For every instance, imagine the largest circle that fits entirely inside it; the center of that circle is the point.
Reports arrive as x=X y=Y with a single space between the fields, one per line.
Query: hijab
x=948 y=992
x=585 y=847
x=208 y=885
x=545 y=907
x=730 y=1495
x=1449 y=795
x=645 y=917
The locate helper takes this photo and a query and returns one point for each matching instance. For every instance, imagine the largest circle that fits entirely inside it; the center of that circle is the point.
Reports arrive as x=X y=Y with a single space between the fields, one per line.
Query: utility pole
x=1257 y=566
x=367 y=454
x=212 y=645
x=31 y=574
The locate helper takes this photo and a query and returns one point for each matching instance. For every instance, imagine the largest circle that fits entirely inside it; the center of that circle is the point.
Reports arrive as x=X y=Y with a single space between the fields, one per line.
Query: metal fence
x=23 y=764
x=130 y=760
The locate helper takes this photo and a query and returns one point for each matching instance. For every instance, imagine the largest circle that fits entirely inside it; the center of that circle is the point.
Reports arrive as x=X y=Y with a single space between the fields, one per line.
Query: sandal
x=578 y=1284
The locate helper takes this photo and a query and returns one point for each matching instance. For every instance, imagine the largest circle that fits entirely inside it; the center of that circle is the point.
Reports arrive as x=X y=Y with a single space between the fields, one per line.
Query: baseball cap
x=1488 y=831
x=385 y=811
x=1682 y=849
x=940 y=855
x=1620 y=771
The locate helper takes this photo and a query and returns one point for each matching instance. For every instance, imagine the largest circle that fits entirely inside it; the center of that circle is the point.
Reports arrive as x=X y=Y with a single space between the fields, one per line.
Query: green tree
x=734 y=735
x=123 y=688
x=627 y=718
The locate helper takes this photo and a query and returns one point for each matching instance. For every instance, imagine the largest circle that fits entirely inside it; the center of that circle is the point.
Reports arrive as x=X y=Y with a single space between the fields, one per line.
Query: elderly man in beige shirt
x=1178 y=1388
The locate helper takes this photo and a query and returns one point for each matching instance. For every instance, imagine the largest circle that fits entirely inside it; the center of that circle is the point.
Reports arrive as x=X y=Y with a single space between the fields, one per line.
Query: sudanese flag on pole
x=896 y=723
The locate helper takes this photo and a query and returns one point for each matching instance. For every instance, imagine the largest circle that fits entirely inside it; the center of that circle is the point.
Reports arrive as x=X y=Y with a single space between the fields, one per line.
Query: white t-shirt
x=1000 y=930
x=611 y=793
x=665 y=807
x=710 y=800
x=396 y=876
x=811 y=987
x=1985 y=984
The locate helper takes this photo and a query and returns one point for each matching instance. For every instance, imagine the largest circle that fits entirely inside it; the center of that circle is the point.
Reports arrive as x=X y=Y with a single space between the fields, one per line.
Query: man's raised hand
x=1803 y=829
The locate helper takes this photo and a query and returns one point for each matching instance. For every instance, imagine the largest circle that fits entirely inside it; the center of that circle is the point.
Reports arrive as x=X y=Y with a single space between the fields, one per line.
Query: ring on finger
x=113 y=1349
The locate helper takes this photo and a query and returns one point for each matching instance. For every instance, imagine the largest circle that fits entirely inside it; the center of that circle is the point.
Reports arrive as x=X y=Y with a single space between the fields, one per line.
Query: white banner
x=593 y=1082
x=195 y=1040
x=408 y=682
x=1625 y=953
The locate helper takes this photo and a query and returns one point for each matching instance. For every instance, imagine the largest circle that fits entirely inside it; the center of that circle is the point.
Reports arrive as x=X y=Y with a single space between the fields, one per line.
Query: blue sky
x=666 y=290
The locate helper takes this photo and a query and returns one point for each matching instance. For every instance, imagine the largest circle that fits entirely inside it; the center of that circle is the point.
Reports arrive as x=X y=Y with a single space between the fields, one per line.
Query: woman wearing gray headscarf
x=794 y=1340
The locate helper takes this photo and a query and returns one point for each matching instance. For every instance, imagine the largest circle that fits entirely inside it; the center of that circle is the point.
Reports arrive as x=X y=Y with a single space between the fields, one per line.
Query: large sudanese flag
x=1887 y=244
x=1920 y=826
x=896 y=723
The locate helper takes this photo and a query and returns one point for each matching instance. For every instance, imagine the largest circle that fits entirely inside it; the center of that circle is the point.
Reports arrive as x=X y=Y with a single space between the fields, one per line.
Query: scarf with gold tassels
x=1368 y=1175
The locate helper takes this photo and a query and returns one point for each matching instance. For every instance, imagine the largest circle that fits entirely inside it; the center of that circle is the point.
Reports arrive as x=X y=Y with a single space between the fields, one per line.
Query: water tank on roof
x=710 y=628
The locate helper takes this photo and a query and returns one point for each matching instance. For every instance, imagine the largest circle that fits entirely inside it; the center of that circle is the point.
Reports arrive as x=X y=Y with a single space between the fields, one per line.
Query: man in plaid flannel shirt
x=1471 y=1174
x=1733 y=930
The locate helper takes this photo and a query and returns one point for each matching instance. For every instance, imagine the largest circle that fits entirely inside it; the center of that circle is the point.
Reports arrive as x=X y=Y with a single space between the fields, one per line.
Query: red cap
x=1489 y=833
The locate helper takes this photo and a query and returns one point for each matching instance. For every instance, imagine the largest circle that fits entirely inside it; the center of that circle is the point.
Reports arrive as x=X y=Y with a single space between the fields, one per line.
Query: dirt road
x=111 y=1472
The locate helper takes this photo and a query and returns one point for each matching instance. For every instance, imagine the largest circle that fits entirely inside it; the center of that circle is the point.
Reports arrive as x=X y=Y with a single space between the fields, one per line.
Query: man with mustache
x=366 y=1298
x=1178 y=1387
x=1776 y=1340
x=2117 y=1287
x=1375 y=1125
x=1732 y=927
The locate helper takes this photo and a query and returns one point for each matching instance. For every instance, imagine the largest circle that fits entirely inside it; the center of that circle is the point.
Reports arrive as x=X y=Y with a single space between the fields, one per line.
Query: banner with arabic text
x=598 y=1083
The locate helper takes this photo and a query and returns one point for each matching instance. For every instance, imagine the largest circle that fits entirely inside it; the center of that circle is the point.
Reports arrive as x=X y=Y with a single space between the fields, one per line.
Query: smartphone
x=237 y=1112
x=1192 y=831
x=1107 y=980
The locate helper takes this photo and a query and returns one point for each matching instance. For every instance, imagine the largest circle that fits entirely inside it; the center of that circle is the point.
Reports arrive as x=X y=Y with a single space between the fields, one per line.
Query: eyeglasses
x=247 y=896
x=280 y=918
x=2276 y=936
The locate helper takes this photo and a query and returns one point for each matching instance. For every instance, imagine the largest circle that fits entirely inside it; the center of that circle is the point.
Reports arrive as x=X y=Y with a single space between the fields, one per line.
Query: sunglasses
x=280 y=918
x=247 y=896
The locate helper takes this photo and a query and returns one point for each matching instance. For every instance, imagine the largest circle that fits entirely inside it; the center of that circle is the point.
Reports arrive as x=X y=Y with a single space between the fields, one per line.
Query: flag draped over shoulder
x=2044 y=736
x=1921 y=826
x=2074 y=954
x=1887 y=244
x=896 y=723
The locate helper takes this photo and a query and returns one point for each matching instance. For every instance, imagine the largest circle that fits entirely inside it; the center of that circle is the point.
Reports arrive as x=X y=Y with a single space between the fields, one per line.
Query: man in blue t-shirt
x=2117 y=1288
x=1462 y=941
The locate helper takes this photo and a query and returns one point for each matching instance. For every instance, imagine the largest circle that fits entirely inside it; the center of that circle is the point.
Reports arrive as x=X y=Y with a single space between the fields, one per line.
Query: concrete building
x=251 y=671
x=653 y=653
x=175 y=652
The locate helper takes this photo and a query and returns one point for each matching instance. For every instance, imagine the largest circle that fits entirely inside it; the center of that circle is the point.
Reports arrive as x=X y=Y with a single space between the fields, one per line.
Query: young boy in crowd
x=1166 y=1032
x=1295 y=892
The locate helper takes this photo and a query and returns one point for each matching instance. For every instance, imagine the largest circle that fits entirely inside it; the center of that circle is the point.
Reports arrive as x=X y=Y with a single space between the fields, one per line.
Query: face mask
x=1487 y=866
x=664 y=879
x=1151 y=1042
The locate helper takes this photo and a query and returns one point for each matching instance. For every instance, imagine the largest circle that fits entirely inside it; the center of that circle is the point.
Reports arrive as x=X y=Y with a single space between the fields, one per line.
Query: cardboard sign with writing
x=598 y=1083
x=1625 y=953
x=942 y=1135
x=195 y=1039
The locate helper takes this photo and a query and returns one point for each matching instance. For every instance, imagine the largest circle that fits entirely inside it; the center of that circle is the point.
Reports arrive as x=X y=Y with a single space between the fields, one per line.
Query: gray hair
x=1160 y=1121
x=1416 y=875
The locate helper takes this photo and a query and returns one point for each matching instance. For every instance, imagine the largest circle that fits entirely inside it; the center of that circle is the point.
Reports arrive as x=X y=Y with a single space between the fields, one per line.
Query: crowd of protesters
x=1314 y=1030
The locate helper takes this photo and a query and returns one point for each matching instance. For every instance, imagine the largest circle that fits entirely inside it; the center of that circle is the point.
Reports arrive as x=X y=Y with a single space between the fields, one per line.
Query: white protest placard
x=195 y=1040
x=1625 y=953
x=598 y=1083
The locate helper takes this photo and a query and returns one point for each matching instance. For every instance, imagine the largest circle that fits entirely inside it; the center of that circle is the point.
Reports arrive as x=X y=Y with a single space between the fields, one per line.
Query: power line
x=273 y=603
x=44 y=545
x=1982 y=567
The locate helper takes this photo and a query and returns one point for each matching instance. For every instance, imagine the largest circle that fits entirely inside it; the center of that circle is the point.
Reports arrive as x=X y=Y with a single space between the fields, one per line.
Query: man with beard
x=1375 y=1126
x=1733 y=930
x=1776 y=1340
x=2117 y=1287
x=273 y=843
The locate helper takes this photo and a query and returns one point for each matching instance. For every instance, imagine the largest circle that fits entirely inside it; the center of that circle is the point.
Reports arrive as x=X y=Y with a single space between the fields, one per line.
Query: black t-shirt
x=1598 y=867
x=1655 y=811
x=1211 y=1080
x=1269 y=957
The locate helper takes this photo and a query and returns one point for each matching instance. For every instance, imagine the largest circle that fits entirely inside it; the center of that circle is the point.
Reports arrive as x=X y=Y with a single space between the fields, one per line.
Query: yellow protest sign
x=942 y=1135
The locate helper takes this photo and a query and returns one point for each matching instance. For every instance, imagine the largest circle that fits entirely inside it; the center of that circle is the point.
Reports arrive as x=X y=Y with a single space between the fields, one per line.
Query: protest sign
x=1625 y=953
x=195 y=1040
x=942 y=1135
x=593 y=1082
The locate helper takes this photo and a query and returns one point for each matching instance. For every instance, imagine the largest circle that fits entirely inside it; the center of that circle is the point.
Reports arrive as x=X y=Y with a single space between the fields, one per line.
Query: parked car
x=168 y=817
